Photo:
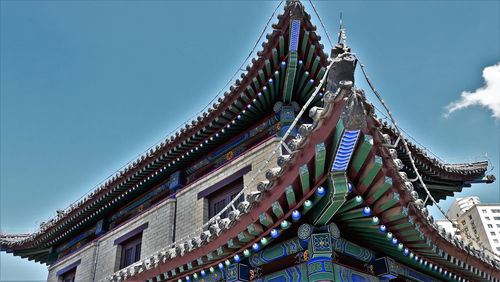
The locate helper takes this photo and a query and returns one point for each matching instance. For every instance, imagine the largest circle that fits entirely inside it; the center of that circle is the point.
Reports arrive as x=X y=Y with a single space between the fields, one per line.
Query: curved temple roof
x=195 y=138
x=191 y=141
x=389 y=194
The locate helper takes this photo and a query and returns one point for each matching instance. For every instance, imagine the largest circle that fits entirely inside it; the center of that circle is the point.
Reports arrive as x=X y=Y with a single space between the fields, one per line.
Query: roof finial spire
x=340 y=28
x=341 y=46
x=342 y=35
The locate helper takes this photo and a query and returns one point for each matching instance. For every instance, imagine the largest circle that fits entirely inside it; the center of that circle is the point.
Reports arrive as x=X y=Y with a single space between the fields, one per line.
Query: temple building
x=289 y=176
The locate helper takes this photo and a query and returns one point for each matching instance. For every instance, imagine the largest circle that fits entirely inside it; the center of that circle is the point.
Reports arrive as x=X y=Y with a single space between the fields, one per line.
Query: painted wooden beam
x=290 y=196
x=277 y=210
x=362 y=153
x=255 y=229
x=319 y=160
x=378 y=188
x=266 y=219
x=351 y=204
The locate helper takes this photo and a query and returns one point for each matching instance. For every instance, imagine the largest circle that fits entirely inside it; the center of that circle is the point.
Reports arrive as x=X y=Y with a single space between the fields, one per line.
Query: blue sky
x=86 y=85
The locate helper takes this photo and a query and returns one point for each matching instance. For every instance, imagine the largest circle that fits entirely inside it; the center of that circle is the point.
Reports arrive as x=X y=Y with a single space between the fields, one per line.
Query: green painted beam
x=282 y=46
x=277 y=84
x=351 y=204
x=245 y=237
x=353 y=214
x=255 y=229
x=302 y=81
x=303 y=93
x=256 y=83
x=277 y=209
x=362 y=153
x=304 y=178
x=370 y=175
x=291 y=70
x=320 y=74
x=319 y=160
x=337 y=197
x=290 y=196
x=268 y=69
x=386 y=202
x=275 y=57
x=310 y=55
x=262 y=77
x=266 y=219
x=315 y=65
x=267 y=95
x=305 y=40
x=231 y=243
x=363 y=222
x=379 y=188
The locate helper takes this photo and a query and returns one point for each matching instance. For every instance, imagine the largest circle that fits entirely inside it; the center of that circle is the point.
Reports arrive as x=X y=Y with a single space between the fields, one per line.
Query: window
x=498 y=225
x=493 y=233
x=498 y=249
x=496 y=218
x=69 y=276
x=68 y=273
x=495 y=211
x=470 y=217
x=129 y=247
x=223 y=197
x=490 y=225
x=484 y=211
x=495 y=241
x=487 y=217
x=220 y=194
x=131 y=251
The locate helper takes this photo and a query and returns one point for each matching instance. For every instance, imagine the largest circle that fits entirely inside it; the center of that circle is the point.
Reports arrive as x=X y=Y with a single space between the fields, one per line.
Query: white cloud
x=487 y=96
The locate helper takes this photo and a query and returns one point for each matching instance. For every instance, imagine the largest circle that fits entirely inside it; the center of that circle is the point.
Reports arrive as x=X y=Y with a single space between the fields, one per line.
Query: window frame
x=69 y=276
x=68 y=272
x=133 y=244
x=226 y=195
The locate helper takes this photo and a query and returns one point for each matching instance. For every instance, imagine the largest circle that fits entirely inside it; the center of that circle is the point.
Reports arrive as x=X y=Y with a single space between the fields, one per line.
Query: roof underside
x=319 y=159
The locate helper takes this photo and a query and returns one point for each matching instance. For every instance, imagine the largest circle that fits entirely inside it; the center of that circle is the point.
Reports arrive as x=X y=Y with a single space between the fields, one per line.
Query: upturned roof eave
x=186 y=132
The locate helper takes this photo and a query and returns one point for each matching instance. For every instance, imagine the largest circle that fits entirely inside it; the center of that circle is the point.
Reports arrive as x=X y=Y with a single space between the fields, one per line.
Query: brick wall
x=84 y=270
x=192 y=213
x=157 y=235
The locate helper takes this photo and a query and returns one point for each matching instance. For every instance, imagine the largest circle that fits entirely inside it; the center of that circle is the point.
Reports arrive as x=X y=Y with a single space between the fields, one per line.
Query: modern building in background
x=479 y=223
x=448 y=226
x=289 y=176
x=461 y=205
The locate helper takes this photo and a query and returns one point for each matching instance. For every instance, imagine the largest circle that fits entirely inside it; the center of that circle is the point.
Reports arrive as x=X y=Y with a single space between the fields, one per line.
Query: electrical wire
x=405 y=144
x=321 y=22
x=412 y=138
x=264 y=165
x=191 y=117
